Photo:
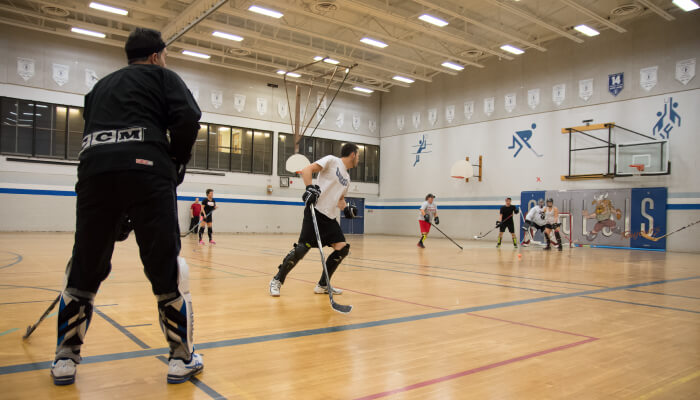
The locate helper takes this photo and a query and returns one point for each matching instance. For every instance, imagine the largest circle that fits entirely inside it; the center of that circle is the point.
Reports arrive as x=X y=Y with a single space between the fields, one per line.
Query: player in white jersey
x=327 y=196
x=535 y=219
x=551 y=221
x=428 y=212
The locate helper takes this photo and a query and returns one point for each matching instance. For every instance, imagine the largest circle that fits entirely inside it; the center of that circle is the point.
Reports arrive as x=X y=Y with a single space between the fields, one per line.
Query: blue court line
x=16 y=261
x=12 y=369
x=642 y=304
x=8 y=331
x=122 y=329
x=201 y=385
x=137 y=325
x=29 y=287
x=25 y=302
x=665 y=294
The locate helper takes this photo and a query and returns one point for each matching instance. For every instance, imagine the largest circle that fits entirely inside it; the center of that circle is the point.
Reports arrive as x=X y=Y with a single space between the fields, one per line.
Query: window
x=358 y=173
x=199 y=150
x=76 y=124
x=17 y=133
x=242 y=150
x=219 y=147
x=262 y=152
x=372 y=164
x=285 y=149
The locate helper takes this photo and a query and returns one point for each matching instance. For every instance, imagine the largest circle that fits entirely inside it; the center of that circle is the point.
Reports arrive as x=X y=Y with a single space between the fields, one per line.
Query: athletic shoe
x=515 y=245
x=498 y=245
x=63 y=372
x=525 y=243
x=547 y=248
x=420 y=244
x=275 y=286
x=179 y=371
x=201 y=242
x=212 y=242
x=560 y=248
x=324 y=290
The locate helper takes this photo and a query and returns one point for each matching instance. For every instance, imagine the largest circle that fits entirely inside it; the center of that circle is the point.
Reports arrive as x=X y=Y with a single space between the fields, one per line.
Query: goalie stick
x=477 y=237
x=647 y=236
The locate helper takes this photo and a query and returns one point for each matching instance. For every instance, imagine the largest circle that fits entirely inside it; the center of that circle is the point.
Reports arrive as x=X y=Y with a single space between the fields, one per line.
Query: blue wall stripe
x=70 y=193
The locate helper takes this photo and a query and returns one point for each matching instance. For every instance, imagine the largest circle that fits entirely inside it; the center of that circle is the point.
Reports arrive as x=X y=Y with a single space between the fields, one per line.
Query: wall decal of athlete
x=422 y=146
x=523 y=137
x=603 y=214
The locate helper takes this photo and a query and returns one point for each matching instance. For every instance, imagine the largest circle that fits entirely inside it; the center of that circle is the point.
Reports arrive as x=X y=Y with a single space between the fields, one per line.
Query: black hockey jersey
x=127 y=115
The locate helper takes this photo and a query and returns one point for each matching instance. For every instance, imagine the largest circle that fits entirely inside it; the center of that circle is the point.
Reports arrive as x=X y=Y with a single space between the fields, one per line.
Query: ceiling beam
x=189 y=17
x=534 y=19
x=593 y=15
x=658 y=10
x=480 y=24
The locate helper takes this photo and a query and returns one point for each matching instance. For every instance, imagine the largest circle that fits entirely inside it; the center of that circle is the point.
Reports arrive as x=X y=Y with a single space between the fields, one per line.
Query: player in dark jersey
x=128 y=165
x=505 y=221
x=208 y=207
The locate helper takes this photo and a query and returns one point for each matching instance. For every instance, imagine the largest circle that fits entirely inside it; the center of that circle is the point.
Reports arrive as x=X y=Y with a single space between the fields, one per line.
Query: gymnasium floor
x=437 y=323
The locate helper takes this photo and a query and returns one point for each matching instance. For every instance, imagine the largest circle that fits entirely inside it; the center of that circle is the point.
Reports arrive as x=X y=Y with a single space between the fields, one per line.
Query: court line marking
x=643 y=304
x=663 y=388
x=16 y=261
x=199 y=384
x=30 y=287
x=474 y=370
x=8 y=331
x=665 y=294
x=26 y=302
x=10 y=369
x=121 y=329
x=137 y=325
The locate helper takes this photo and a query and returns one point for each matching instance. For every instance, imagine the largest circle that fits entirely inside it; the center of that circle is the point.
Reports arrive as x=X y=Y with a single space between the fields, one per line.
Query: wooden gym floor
x=436 y=323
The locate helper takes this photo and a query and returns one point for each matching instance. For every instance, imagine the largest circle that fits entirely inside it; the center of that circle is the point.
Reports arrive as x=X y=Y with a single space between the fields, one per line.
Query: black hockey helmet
x=550 y=200
x=429 y=195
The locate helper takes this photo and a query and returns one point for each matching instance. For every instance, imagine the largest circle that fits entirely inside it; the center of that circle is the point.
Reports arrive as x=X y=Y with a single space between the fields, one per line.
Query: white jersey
x=428 y=208
x=334 y=181
x=536 y=215
x=549 y=215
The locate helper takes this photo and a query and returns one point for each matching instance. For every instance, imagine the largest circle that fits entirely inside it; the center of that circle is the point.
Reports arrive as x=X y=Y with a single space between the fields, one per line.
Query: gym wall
x=47 y=202
x=473 y=206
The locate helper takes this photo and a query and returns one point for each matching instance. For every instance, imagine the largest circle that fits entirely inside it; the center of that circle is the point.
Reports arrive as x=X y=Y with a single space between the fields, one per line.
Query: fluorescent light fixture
x=686 y=5
x=89 y=33
x=195 y=54
x=266 y=12
x=326 y=60
x=402 y=79
x=511 y=49
x=451 y=65
x=42 y=106
x=587 y=30
x=373 y=42
x=433 y=20
x=291 y=74
x=363 y=90
x=113 y=10
x=227 y=36
x=109 y=9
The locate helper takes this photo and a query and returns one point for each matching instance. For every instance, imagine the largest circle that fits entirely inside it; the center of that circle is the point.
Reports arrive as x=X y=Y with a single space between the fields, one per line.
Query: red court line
x=473 y=371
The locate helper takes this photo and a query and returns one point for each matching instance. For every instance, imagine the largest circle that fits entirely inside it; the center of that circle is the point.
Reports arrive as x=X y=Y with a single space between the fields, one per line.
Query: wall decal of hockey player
x=663 y=128
x=422 y=145
x=603 y=214
x=523 y=137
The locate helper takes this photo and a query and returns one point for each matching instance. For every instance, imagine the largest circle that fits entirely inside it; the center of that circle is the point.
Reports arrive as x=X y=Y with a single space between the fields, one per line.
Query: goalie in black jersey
x=505 y=221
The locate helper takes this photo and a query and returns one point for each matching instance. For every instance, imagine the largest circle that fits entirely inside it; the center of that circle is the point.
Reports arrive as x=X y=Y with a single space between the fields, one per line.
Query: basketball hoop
x=296 y=162
x=462 y=170
x=639 y=167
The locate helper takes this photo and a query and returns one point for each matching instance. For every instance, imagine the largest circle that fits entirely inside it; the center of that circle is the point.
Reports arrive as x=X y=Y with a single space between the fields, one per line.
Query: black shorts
x=328 y=228
x=551 y=226
x=507 y=224
x=537 y=227
x=208 y=218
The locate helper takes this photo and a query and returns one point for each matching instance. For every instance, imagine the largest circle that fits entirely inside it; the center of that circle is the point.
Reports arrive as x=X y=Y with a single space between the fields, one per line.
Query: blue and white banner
x=616 y=82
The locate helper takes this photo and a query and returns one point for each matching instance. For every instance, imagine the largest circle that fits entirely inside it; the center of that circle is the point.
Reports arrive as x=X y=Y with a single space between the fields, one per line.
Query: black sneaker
x=547 y=248
x=560 y=248
x=420 y=244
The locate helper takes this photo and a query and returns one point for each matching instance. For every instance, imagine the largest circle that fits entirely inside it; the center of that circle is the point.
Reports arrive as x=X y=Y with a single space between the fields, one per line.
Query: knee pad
x=176 y=315
x=338 y=256
x=291 y=259
x=74 y=316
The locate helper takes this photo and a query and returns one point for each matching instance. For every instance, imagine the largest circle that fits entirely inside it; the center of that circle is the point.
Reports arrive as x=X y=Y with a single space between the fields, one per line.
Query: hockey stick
x=337 y=307
x=444 y=234
x=196 y=226
x=477 y=237
x=31 y=328
x=656 y=239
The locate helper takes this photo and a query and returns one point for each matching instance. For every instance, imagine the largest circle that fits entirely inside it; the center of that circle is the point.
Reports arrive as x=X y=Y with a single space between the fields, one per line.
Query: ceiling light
x=372 y=42
x=292 y=74
x=227 y=36
x=363 y=90
x=265 y=11
x=89 y=33
x=109 y=9
x=195 y=54
x=587 y=30
x=451 y=65
x=511 y=49
x=326 y=60
x=432 y=20
x=402 y=79
x=686 y=5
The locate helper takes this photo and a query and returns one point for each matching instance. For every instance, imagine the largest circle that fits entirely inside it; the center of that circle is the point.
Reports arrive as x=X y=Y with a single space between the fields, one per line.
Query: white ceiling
x=333 y=28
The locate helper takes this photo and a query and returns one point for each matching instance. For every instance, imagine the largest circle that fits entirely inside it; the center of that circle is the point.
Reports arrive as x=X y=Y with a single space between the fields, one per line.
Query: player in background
x=209 y=205
x=551 y=220
x=535 y=219
x=128 y=165
x=428 y=212
x=196 y=211
x=327 y=196
x=505 y=220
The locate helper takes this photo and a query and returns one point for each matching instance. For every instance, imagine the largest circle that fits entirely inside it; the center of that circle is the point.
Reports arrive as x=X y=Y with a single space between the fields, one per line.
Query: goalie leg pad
x=176 y=316
x=290 y=260
x=333 y=262
x=74 y=315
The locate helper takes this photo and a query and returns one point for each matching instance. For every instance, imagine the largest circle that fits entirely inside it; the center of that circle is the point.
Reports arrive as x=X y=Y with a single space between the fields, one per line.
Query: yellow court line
x=678 y=381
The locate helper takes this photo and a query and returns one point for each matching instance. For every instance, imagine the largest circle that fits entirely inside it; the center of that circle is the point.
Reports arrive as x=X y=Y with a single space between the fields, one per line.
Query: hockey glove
x=426 y=217
x=498 y=224
x=312 y=194
x=350 y=211
x=437 y=220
